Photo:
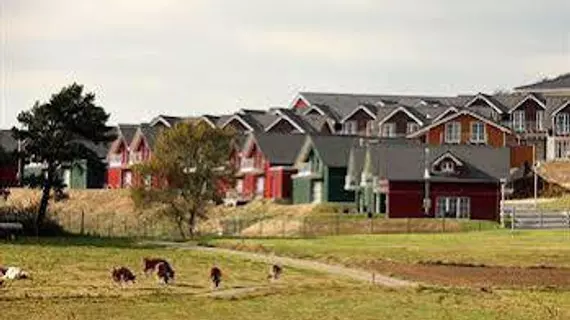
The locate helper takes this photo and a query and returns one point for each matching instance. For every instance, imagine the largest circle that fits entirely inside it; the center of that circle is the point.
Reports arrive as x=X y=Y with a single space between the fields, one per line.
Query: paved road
x=354 y=274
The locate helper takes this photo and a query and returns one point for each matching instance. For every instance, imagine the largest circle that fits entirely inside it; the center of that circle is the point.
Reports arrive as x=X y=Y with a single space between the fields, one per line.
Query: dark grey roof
x=221 y=120
x=7 y=141
x=280 y=149
x=560 y=82
x=150 y=134
x=128 y=131
x=342 y=104
x=333 y=150
x=407 y=162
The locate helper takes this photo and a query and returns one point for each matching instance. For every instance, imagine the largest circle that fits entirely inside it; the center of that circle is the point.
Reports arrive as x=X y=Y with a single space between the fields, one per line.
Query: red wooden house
x=119 y=174
x=141 y=148
x=460 y=181
x=8 y=161
x=266 y=165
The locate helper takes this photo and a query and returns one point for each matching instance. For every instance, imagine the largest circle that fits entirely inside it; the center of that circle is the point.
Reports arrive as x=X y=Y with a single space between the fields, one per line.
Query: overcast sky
x=191 y=57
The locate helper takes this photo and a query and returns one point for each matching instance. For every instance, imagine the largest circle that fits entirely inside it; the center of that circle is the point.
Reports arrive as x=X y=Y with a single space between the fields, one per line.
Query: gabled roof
x=447 y=155
x=560 y=108
x=211 y=120
x=278 y=149
x=146 y=132
x=414 y=114
x=369 y=109
x=253 y=120
x=407 y=162
x=489 y=100
x=453 y=116
x=342 y=104
x=168 y=121
x=530 y=96
x=332 y=150
x=559 y=82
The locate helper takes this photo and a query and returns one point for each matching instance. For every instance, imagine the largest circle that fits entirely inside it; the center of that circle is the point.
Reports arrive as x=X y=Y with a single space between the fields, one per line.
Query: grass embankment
x=491 y=258
x=71 y=281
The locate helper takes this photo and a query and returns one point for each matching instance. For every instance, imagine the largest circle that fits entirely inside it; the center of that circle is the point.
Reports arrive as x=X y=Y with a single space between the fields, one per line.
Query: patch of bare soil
x=482 y=276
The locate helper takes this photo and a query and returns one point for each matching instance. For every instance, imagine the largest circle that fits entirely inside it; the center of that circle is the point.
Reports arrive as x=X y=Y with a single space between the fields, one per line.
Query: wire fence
x=116 y=225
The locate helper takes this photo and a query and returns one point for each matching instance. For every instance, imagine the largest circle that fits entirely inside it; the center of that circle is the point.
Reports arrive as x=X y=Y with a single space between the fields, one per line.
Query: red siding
x=495 y=137
x=300 y=104
x=405 y=199
x=114 y=178
x=9 y=175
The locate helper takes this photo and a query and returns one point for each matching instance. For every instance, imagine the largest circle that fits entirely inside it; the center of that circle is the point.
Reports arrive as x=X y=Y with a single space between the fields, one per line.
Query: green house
x=321 y=165
x=79 y=174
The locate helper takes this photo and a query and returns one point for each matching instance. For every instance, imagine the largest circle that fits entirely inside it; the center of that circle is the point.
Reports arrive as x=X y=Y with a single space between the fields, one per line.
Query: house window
x=495 y=115
x=369 y=127
x=453 y=132
x=147 y=181
x=562 y=123
x=478 y=132
x=260 y=185
x=239 y=185
x=539 y=120
x=453 y=207
x=447 y=166
x=350 y=127
x=388 y=130
x=412 y=127
x=518 y=120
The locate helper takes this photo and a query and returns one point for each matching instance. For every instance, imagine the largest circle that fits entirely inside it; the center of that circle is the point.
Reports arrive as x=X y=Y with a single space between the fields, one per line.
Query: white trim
x=311 y=108
x=158 y=119
x=449 y=155
x=275 y=168
x=443 y=114
x=482 y=97
x=391 y=114
x=239 y=118
x=208 y=121
x=360 y=107
x=453 y=116
x=139 y=136
x=283 y=116
x=564 y=105
x=529 y=96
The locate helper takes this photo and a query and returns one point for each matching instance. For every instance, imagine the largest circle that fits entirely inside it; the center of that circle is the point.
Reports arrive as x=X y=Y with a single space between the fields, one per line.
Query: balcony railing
x=248 y=165
x=135 y=157
x=115 y=160
x=528 y=126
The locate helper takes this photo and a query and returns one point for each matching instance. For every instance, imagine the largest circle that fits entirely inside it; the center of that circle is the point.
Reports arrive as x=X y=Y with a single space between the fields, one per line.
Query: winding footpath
x=355 y=274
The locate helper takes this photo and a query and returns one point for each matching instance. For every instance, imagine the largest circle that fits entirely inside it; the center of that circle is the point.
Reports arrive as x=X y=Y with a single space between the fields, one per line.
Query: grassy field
x=71 y=281
x=500 y=247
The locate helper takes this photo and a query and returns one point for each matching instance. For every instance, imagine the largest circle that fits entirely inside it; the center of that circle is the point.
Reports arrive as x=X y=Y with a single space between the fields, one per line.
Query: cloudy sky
x=190 y=57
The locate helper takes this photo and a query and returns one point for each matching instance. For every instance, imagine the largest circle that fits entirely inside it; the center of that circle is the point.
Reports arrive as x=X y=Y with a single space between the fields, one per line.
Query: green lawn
x=499 y=247
x=71 y=281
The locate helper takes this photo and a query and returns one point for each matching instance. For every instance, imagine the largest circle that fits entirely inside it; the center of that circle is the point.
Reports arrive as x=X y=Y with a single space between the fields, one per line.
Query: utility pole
x=427 y=201
x=535 y=168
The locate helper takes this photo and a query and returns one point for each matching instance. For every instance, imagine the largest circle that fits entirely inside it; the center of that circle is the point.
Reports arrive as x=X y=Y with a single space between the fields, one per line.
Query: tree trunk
x=48 y=183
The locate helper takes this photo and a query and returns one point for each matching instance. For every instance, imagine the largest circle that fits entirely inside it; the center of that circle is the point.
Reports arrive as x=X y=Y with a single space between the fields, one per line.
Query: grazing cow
x=14 y=273
x=216 y=276
x=275 y=272
x=122 y=275
x=165 y=272
x=150 y=264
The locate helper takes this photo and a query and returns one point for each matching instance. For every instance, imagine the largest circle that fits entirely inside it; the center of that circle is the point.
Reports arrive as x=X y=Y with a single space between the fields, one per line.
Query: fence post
x=337 y=227
x=82 y=229
x=513 y=220
x=443 y=224
x=541 y=220
x=408 y=226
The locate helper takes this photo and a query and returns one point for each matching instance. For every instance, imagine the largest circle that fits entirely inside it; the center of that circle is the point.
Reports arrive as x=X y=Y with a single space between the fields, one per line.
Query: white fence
x=530 y=218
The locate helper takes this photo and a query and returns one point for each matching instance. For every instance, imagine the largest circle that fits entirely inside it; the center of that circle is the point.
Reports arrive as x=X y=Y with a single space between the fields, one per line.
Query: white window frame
x=388 y=129
x=447 y=166
x=369 y=127
x=462 y=206
x=260 y=185
x=539 y=120
x=350 y=127
x=562 y=123
x=239 y=185
x=452 y=132
x=478 y=132
x=412 y=127
x=519 y=120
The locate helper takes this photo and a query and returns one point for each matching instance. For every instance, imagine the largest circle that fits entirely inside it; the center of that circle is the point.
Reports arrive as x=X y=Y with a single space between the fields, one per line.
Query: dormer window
x=447 y=167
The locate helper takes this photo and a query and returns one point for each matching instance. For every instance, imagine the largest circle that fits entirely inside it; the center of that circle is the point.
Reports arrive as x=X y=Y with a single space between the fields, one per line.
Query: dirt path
x=354 y=274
